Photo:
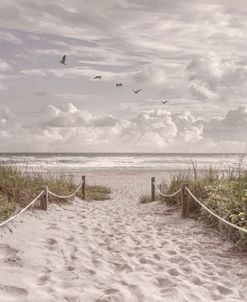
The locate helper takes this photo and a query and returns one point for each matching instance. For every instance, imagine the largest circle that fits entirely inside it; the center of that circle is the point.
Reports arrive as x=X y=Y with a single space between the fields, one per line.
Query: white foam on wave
x=149 y=161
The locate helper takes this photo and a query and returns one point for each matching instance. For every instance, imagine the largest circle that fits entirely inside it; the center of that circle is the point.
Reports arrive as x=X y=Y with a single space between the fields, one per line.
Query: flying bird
x=119 y=84
x=137 y=91
x=63 y=60
x=164 y=102
x=97 y=77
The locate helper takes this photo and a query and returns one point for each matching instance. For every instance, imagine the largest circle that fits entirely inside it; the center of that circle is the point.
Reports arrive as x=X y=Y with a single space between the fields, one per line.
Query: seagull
x=119 y=84
x=164 y=102
x=97 y=77
x=137 y=91
x=63 y=60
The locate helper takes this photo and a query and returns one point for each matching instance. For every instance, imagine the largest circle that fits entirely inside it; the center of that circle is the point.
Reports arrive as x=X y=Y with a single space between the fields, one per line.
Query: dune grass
x=96 y=192
x=18 y=188
x=223 y=192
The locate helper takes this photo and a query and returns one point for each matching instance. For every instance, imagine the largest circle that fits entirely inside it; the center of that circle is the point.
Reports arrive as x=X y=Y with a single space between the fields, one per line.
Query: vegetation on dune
x=225 y=193
x=96 y=193
x=18 y=188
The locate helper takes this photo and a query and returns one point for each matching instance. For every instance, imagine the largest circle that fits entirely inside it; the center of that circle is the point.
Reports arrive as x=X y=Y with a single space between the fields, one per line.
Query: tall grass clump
x=18 y=188
x=225 y=193
x=96 y=192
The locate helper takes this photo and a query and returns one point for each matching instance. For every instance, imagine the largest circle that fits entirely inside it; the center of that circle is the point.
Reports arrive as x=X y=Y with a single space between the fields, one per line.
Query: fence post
x=152 y=189
x=184 y=201
x=188 y=198
x=45 y=204
x=83 y=187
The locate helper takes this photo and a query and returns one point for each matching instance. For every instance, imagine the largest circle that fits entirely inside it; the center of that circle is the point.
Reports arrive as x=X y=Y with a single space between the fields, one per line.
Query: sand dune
x=116 y=250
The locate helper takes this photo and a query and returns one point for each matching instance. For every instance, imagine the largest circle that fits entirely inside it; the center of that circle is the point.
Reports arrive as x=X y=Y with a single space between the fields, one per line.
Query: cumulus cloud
x=66 y=116
x=71 y=129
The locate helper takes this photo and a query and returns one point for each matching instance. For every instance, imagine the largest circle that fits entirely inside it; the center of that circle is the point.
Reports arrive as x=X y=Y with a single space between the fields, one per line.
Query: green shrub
x=225 y=193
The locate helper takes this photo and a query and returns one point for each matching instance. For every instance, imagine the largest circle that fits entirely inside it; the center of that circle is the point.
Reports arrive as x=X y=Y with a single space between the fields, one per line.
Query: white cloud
x=69 y=128
x=151 y=74
x=66 y=116
x=208 y=75
x=4 y=66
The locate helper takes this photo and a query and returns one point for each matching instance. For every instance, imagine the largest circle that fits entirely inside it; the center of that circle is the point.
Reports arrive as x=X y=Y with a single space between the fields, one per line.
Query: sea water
x=82 y=161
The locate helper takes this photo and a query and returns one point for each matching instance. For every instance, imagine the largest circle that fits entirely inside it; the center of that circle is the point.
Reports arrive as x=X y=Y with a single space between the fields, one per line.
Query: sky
x=192 y=53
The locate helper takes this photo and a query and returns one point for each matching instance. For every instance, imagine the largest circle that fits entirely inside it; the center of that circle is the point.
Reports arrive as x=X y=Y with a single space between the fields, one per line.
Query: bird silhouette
x=97 y=77
x=137 y=91
x=63 y=60
x=164 y=102
x=119 y=84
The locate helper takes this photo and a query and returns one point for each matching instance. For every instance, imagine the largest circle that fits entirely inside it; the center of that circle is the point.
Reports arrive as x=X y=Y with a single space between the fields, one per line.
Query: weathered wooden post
x=42 y=201
x=152 y=189
x=45 y=198
x=184 y=201
x=188 y=199
x=83 y=187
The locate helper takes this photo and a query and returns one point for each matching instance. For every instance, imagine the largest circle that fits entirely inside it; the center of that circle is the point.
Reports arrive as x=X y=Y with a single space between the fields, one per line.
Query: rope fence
x=186 y=196
x=214 y=214
x=68 y=196
x=22 y=210
x=44 y=199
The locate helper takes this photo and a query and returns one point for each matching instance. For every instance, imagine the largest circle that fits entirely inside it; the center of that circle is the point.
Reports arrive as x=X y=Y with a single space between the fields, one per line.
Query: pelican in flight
x=119 y=84
x=97 y=77
x=164 y=102
x=137 y=91
x=63 y=60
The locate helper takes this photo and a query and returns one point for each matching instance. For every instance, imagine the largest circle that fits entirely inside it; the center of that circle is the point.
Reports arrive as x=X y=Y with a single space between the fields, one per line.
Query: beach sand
x=117 y=250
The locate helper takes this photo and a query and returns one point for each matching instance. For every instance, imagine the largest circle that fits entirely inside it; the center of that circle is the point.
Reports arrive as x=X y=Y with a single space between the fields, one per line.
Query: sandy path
x=116 y=251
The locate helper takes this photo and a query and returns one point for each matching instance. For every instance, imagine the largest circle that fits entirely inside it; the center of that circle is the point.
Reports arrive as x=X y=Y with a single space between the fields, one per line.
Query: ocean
x=83 y=161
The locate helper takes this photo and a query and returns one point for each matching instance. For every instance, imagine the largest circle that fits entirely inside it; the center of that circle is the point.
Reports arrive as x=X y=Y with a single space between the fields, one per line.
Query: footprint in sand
x=73 y=253
x=196 y=280
x=157 y=257
x=7 y=250
x=11 y=292
x=70 y=239
x=51 y=244
x=52 y=226
x=224 y=290
x=173 y=272
x=109 y=295
x=10 y=255
x=45 y=276
x=164 y=282
x=145 y=260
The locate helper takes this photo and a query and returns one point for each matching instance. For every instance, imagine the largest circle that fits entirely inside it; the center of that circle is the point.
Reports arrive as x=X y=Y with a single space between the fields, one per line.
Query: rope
x=215 y=215
x=162 y=194
x=68 y=196
x=22 y=210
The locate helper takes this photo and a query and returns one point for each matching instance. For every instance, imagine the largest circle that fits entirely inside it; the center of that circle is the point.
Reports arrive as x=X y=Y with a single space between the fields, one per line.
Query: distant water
x=79 y=161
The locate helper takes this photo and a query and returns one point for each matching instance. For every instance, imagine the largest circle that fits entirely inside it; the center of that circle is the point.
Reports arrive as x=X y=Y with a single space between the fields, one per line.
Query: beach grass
x=18 y=188
x=96 y=192
x=225 y=193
